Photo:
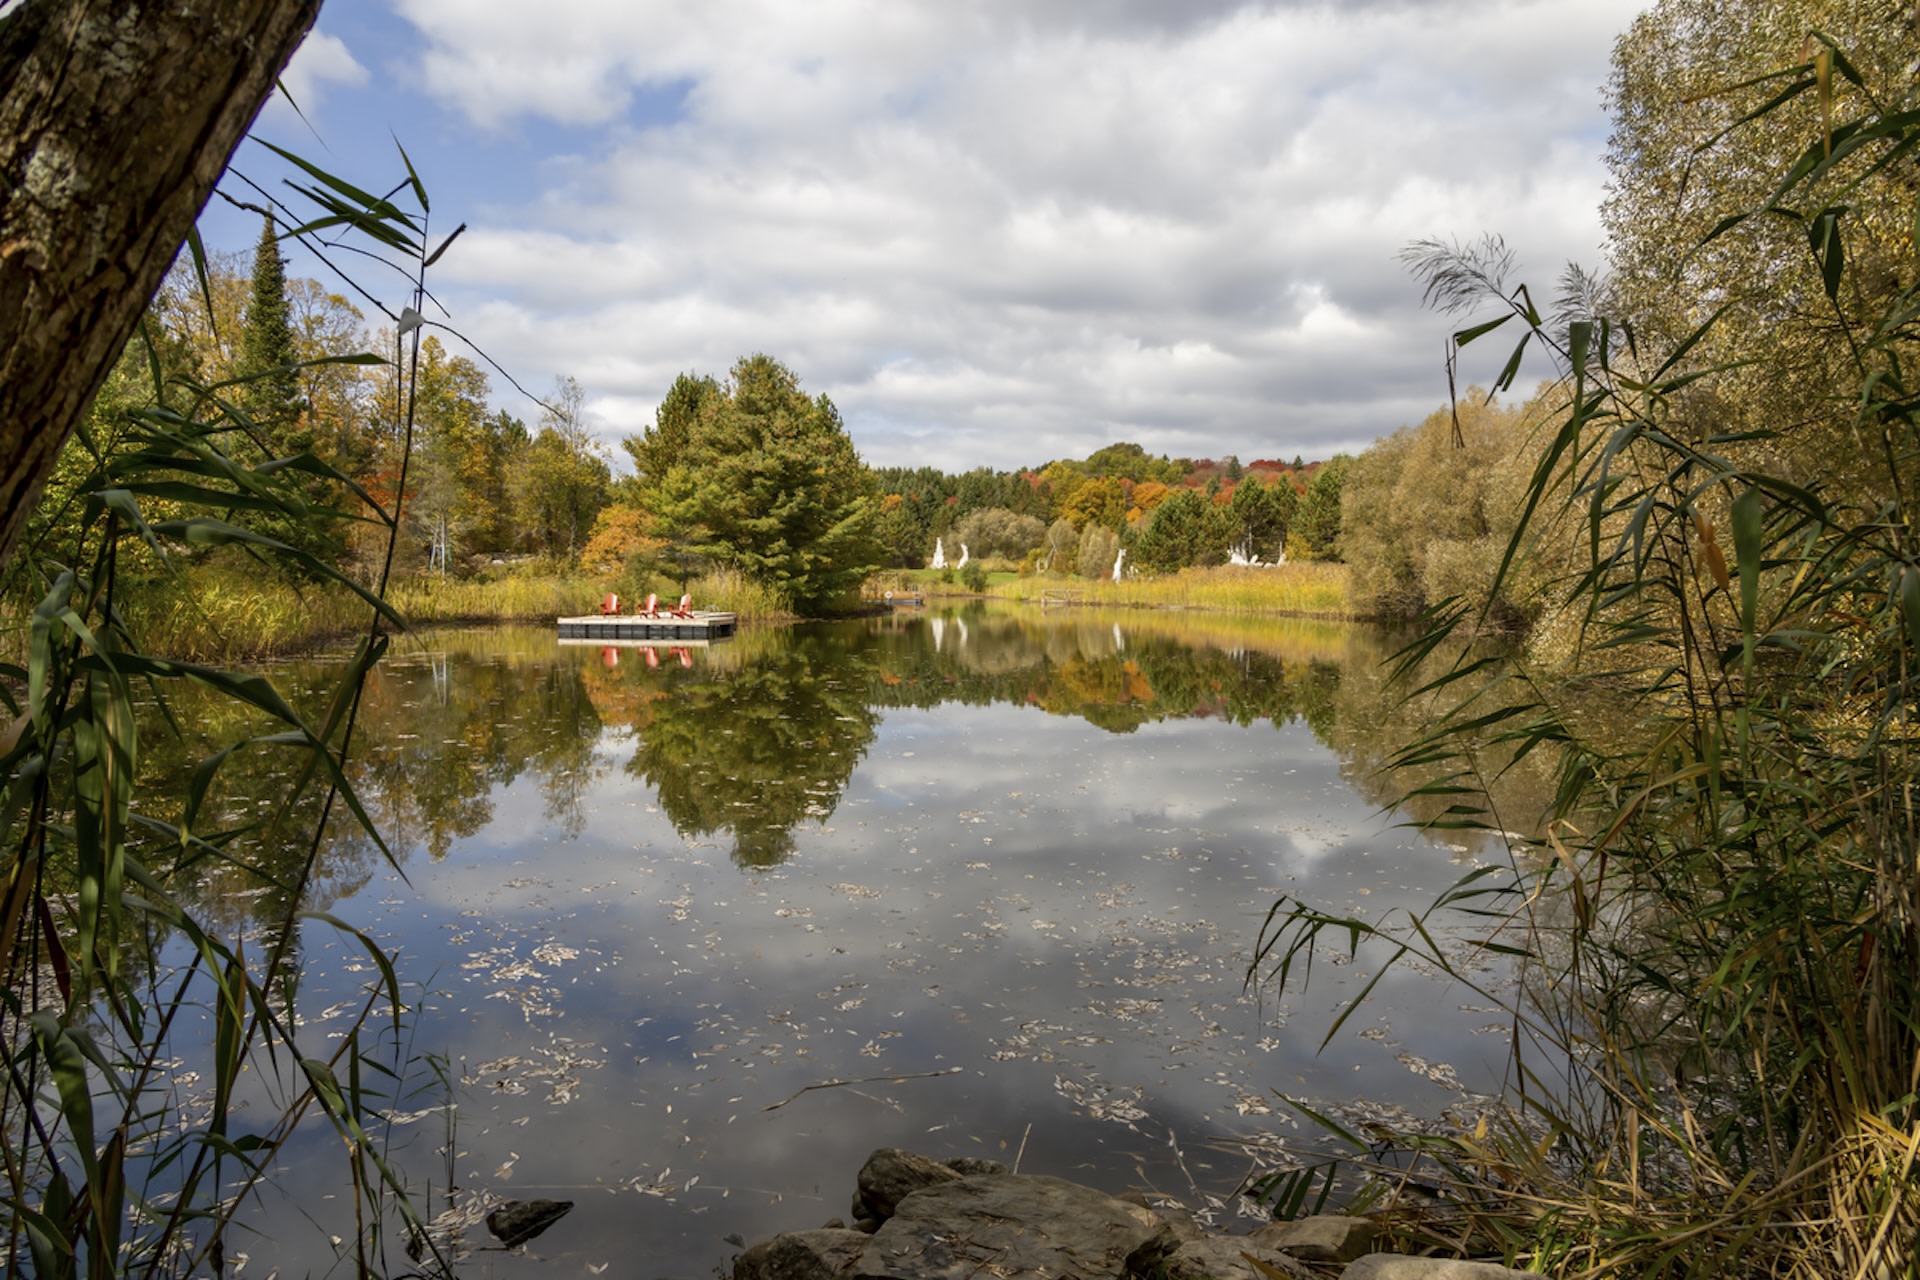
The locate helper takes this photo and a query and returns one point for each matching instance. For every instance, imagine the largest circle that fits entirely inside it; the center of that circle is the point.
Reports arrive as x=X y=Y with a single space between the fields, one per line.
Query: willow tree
x=116 y=119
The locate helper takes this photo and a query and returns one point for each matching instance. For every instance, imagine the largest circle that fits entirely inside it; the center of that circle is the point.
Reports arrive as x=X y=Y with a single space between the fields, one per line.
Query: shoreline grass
x=223 y=615
x=1316 y=590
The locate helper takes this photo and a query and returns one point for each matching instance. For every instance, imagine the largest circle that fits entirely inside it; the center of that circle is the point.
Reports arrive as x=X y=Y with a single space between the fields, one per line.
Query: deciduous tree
x=561 y=481
x=1683 y=74
x=116 y=119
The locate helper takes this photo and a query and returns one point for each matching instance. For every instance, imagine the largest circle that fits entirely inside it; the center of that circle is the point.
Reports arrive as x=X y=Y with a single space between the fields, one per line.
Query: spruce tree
x=270 y=397
x=267 y=354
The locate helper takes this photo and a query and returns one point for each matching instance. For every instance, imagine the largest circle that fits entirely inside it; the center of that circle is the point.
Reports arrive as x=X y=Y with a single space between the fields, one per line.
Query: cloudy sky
x=996 y=232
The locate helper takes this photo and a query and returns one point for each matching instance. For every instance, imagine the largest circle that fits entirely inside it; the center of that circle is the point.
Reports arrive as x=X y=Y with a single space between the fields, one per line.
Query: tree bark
x=116 y=119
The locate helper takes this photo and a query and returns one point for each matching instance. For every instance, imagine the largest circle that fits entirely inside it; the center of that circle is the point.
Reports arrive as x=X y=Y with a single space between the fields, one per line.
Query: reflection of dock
x=605 y=629
x=622 y=642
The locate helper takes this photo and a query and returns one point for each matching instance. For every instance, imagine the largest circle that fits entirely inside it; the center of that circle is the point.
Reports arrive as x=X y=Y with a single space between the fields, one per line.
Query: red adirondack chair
x=685 y=608
x=610 y=606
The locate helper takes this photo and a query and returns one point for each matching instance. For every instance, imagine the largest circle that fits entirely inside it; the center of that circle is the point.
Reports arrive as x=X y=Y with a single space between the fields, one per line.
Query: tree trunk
x=116 y=119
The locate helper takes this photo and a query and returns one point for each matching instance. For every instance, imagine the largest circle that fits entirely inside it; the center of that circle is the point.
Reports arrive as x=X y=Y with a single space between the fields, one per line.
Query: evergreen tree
x=1315 y=532
x=764 y=479
x=1259 y=515
x=271 y=394
x=1185 y=529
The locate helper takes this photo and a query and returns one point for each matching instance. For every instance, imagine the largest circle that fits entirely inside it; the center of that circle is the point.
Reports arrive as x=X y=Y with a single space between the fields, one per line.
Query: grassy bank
x=1315 y=590
x=222 y=614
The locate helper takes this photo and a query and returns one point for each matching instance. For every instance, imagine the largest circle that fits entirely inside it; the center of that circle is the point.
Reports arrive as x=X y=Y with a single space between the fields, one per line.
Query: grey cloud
x=990 y=234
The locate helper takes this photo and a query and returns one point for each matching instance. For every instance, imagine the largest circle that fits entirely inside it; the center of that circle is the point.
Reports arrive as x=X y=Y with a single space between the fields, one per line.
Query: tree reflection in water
x=752 y=738
x=750 y=748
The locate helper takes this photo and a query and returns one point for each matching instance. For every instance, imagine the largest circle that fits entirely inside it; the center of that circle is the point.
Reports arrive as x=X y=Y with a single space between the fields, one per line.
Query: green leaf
x=1823 y=234
x=413 y=177
x=1507 y=375
x=1579 y=341
x=370 y=203
x=444 y=246
x=1464 y=336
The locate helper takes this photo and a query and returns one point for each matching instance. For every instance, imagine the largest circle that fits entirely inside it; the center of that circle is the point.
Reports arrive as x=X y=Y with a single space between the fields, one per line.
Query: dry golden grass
x=220 y=615
x=1315 y=590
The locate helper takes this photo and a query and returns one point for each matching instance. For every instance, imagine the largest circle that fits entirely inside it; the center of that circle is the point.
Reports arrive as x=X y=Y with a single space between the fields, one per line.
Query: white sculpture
x=963 y=557
x=1243 y=556
x=1117 y=562
x=939 y=553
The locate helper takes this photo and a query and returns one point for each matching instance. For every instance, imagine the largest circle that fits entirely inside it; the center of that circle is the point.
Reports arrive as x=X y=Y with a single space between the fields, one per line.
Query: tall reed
x=1716 y=1053
x=116 y=1161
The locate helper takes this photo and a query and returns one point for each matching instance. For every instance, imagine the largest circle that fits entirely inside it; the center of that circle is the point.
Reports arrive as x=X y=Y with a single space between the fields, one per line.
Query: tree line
x=748 y=474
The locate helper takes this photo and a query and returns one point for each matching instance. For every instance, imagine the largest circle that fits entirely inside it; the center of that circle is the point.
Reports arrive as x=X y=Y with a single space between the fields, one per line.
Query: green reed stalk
x=1716 y=938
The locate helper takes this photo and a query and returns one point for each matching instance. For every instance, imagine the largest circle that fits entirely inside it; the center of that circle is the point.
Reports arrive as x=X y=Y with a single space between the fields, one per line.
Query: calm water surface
x=1003 y=871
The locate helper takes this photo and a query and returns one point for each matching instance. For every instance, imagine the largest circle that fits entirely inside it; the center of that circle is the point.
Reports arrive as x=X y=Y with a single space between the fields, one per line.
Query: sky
x=996 y=232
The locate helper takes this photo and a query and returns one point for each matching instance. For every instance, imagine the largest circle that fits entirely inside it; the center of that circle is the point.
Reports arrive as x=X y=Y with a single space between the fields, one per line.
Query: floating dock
x=599 y=628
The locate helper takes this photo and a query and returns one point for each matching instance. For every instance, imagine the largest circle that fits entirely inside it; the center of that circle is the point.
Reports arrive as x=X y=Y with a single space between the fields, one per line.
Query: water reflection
x=656 y=898
x=749 y=740
x=750 y=745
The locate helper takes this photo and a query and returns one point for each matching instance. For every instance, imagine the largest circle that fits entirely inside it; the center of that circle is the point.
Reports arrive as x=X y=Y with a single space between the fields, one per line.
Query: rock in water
x=821 y=1254
x=518 y=1221
x=1014 y=1225
x=890 y=1175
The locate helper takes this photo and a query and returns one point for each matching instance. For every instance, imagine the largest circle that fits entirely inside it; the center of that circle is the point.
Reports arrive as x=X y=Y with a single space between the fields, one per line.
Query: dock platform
x=703 y=625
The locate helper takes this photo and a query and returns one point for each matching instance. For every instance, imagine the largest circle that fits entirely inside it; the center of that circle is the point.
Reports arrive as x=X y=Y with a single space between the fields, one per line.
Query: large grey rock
x=1013 y=1224
x=1324 y=1237
x=890 y=1175
x=820 y=1254
x=1225 y=1258
x=1393 y=1266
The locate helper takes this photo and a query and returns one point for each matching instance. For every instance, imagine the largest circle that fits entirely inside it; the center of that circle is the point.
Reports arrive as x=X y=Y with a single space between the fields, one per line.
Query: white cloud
x=996 y=233
x=320 y=61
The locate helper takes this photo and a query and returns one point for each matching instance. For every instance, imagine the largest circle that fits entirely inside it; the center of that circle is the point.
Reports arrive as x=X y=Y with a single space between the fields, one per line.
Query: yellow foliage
x=619 y=534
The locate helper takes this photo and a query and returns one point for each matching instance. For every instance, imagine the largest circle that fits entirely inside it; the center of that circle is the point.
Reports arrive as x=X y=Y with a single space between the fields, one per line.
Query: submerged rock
x=518 y=1221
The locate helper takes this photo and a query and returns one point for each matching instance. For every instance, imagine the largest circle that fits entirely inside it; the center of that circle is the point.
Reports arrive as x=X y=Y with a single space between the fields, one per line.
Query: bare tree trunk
x=116 y=119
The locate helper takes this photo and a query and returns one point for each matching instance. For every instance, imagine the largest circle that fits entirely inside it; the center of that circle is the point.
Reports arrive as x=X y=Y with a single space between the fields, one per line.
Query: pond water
x=1003 y=871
